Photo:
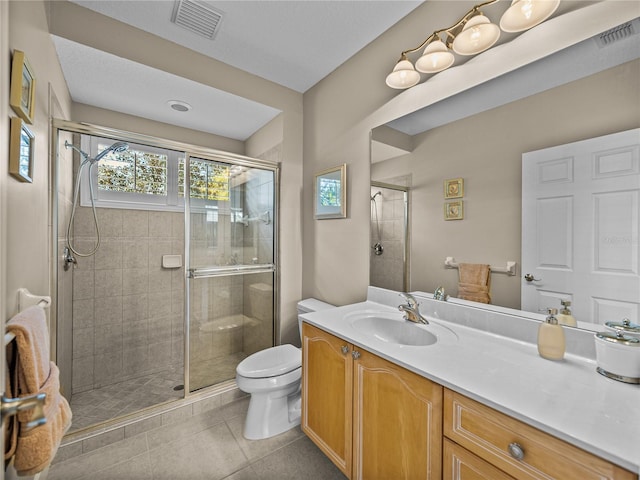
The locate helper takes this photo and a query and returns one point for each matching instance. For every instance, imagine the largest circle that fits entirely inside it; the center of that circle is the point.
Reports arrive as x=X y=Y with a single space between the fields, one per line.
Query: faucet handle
x=409 y=298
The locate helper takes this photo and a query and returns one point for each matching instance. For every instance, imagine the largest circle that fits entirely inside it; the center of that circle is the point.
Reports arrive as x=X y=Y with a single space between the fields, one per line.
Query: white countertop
x=567 y=399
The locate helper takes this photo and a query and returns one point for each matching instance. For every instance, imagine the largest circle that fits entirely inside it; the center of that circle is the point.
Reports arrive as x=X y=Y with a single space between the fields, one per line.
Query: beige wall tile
x=108 y=310
x=136 y=223
x=160 y=224
x=109 y=254
x=111 y=222
x=108 y=283
x=135 y=281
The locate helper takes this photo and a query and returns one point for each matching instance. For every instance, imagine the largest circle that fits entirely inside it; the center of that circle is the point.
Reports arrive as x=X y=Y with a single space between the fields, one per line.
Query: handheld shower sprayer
x=117 y=147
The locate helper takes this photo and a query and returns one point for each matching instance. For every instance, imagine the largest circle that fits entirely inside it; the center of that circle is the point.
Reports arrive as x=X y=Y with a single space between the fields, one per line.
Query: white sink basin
x=390 y=328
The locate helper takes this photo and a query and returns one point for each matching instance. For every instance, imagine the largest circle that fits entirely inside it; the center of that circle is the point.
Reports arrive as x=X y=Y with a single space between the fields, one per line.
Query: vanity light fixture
x=472 y=34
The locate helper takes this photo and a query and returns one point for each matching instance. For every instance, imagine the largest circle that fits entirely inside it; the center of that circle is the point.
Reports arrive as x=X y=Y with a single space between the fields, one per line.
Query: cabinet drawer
x=460 y=464
x=491 y=435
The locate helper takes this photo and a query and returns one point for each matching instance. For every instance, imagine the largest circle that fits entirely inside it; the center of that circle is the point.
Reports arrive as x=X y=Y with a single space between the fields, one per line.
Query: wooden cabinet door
x=460 y=464
x=491 y=435
x=397 y=422
x=327 y=394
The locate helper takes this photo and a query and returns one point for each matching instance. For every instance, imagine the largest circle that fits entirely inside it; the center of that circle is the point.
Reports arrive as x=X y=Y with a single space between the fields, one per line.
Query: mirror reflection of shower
x=70 y=250
x=388 y=235
x=377 y=247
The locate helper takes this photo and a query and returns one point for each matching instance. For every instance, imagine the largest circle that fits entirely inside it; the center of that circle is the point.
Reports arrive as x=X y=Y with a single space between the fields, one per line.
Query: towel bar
x=510 y=269
x=27 y=299
x=8 y=338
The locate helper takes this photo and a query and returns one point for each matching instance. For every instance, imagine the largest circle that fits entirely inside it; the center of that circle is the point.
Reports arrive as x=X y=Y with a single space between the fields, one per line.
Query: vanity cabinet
x=372 y=418
x=487 y=441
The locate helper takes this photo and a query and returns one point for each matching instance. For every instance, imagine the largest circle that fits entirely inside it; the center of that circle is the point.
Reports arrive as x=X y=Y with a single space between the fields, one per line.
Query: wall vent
x=197 y=17
x=616 y=34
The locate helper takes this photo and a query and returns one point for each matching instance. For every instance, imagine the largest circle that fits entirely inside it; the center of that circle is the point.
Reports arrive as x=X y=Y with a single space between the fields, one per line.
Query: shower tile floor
x=112 y=401
x=129 y=396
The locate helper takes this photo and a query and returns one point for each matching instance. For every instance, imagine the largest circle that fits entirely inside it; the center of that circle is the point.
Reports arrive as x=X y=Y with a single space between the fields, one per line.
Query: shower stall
x=388 y=256
x=182 y=284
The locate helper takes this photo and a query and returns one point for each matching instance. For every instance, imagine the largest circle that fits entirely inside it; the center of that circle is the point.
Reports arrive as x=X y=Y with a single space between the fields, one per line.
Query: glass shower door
x=231 y=266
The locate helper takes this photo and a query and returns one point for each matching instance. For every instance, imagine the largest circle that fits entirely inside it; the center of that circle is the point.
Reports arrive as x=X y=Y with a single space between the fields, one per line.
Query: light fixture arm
x=449 y=30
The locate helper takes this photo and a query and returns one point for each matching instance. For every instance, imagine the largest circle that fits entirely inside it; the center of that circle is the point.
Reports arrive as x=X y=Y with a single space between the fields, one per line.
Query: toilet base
x=269 y=416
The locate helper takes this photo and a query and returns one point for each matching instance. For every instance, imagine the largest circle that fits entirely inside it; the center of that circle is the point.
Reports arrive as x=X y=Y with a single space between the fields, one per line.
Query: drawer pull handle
x=344 y=349
x=516 y=451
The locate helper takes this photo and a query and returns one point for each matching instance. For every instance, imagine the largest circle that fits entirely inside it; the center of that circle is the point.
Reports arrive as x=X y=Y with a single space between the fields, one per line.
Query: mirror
x=479 y=136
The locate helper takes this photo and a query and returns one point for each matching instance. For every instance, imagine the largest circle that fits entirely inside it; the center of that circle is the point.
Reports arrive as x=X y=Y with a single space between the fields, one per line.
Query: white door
x=580 y=219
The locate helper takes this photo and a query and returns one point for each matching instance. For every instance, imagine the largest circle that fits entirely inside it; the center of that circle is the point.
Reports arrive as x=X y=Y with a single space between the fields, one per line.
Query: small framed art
x=22 y=97
x=330 y=193
x=21 y=151
x=454 y=188
x=453 y=210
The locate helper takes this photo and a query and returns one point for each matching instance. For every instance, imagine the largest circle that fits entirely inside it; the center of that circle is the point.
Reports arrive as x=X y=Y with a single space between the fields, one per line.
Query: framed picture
x=21 y=151
x=330 y=193
x=454 y=188
x=453 y=210
x=23 y=87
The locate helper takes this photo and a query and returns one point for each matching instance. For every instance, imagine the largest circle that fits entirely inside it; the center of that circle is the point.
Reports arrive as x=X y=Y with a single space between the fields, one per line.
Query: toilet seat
x=271 y=362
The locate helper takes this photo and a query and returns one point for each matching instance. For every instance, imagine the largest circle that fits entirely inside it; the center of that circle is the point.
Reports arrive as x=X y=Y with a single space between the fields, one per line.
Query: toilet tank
x=309 y=305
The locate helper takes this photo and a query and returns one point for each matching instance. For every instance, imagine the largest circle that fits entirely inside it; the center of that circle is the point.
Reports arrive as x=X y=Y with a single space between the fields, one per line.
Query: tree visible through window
x=209 y=181
x=133 y=171
x=329 y=192
x=153 y=178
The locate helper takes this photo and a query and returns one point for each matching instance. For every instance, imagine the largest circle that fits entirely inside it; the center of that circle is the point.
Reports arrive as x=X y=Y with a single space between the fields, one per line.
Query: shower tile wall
x=127 y=309
x=386 y=270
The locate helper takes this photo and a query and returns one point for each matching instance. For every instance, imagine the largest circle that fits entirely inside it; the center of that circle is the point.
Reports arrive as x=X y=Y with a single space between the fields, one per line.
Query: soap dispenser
x=551 y=343
x=565 y=317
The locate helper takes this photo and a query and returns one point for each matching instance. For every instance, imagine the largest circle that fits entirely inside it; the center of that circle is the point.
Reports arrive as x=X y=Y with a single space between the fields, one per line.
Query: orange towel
x=474 y=283
x=36 y=447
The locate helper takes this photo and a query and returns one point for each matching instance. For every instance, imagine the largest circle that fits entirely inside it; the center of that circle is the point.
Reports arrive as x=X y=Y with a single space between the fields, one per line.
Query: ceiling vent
x=616 y=34
x=197 y=17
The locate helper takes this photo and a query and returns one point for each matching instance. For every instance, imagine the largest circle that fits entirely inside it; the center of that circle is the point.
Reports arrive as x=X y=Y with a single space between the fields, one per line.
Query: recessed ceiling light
x=179 y=106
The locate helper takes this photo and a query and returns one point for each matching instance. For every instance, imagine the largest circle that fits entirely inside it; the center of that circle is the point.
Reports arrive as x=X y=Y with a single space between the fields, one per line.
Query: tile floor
x=112 y=401
x=208 y=446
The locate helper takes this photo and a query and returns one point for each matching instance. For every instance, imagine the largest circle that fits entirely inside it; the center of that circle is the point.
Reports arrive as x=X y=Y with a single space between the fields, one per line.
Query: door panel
x=231 y=267
x=580 y=227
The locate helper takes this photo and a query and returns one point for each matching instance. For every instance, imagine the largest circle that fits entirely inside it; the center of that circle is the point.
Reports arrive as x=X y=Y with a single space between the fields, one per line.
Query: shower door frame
x=190 y=151
x=191 y=274
x=406 y=277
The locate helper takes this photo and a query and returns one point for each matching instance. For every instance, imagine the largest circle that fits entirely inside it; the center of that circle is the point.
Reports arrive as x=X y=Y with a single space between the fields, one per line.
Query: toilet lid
x=271 y=362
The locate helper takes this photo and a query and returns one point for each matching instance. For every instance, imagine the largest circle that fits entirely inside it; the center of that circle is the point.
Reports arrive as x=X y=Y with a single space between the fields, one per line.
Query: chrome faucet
x=439 y=294
x=411 y=309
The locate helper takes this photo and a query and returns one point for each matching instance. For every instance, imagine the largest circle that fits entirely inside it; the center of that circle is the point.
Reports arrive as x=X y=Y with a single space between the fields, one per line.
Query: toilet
x=272 y=376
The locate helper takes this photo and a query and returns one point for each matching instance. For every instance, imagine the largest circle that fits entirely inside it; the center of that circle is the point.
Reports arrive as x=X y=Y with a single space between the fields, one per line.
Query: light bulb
x=525 y=14
x=476 y=36
x=403 y=75
x=436 y=57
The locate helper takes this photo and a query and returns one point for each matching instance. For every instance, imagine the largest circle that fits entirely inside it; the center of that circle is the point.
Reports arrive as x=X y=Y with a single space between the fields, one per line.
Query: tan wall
x=490 y=161
x=26 y=235
x=130 y=123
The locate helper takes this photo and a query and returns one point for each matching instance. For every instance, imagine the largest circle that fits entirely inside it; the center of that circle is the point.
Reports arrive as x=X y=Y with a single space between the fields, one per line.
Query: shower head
x=117 y=147
x=373 y=197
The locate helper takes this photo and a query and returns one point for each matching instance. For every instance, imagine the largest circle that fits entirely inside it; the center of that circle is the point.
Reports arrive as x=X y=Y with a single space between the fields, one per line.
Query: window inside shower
x=177 y=292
